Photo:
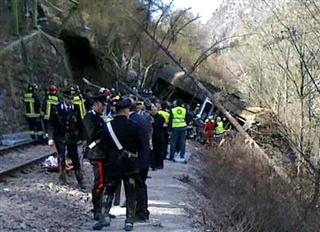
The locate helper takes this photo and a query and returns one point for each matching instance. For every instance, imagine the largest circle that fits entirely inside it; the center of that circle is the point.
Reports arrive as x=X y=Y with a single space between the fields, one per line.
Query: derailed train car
x=171 y=83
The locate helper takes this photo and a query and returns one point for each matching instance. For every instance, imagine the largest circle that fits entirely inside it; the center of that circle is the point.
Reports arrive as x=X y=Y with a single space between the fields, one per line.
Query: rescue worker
x=32 y=111
x=49 y=102
x=105 y=91
x=219 y=130
x=178 y=125
x=65 y=130
x=196 y=111
x=78 y=100
x=107 y=114
x=208 y=130
x=111 y=106
x=95 y=135
x=165 y=114
x=124 y=141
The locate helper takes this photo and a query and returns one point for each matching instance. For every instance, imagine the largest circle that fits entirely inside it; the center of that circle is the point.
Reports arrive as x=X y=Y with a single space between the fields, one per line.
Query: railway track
x=6 y=149
x=19 y=157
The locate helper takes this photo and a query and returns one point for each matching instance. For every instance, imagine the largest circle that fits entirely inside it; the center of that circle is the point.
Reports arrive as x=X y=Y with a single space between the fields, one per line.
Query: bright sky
x=204 y=7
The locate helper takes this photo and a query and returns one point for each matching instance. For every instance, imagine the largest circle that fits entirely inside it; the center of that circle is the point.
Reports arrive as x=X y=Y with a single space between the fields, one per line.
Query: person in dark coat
x=95 y=135
x=158 y=139
x=124 y=142
x=89 y=100
x=142 y=212
x=164 y=112
x=65 y=130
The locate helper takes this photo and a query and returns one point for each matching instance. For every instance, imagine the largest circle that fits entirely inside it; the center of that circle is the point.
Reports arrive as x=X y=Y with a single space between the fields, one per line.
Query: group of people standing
x=122 y=137
x=214 y=130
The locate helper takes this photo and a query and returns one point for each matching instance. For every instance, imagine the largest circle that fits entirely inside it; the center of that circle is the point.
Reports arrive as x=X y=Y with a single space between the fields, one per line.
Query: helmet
x=105 y=91
x=77 y=88
x=73 y=90
x=32 y=86
x=101 y=90
x=53 y=89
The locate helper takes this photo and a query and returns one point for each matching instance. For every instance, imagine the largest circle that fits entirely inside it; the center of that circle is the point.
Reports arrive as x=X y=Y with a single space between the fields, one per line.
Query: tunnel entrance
x=83 y=58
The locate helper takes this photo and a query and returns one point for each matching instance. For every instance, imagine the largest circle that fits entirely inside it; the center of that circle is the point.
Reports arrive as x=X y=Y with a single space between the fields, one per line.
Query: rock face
x=37 y=58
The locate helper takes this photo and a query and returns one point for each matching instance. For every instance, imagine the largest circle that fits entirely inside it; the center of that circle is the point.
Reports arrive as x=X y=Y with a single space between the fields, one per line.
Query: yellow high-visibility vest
x=77 y=100
x=178 y=117
x=165 y=115
x=219 y=128
x=52 y=100
x=29 y=105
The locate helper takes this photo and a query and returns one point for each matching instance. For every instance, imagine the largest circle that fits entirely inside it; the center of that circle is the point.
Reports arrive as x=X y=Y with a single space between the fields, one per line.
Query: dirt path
x=167 y=202
x=37 y=202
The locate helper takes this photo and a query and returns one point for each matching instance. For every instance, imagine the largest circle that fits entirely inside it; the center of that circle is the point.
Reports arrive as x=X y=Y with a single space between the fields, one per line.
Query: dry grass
x=245 y=195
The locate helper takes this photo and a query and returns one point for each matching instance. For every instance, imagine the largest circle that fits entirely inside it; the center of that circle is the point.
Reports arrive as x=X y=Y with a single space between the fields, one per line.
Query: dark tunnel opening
x=82 y=57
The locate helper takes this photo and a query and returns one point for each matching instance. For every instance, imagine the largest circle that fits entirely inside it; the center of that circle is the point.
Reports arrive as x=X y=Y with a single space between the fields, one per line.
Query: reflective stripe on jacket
x=77 y=100
x=51 y=100
x=29 y=102
x=179 y=117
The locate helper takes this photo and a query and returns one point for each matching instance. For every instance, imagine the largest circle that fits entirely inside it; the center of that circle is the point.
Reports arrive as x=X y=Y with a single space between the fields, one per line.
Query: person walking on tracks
x=65 y=130
x=95 y=134
x=124 y=141
x=178 y=124
x=32 y=112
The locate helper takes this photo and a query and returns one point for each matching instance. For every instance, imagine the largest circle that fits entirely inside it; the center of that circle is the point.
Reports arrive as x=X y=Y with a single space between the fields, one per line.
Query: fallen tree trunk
x=264 y=157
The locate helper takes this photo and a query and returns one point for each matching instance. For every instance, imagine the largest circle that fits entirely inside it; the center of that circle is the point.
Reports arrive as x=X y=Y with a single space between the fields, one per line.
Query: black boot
x=128 y=226
x=97 y=216
x=108 y=205
x=103 y=222
x=105 y=218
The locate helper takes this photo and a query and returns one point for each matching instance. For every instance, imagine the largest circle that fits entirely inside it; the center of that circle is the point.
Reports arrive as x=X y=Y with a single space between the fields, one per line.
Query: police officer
x=124 y=141
x=142 y=212
x=65 y=130
x=49 y=102
x=178 y=124
x=95 y=134
x=32 y=111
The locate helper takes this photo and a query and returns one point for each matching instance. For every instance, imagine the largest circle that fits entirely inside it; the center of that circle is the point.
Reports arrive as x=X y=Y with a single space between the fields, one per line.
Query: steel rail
x=19 y=167
x=6 y=149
